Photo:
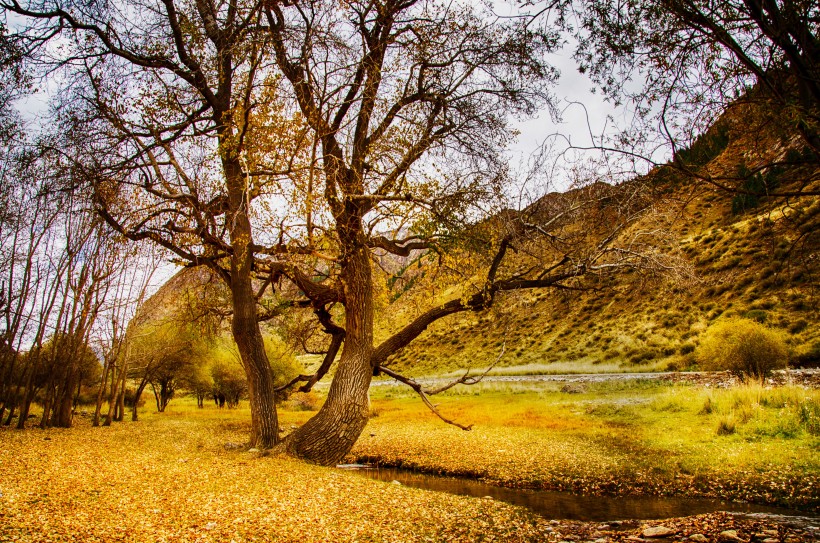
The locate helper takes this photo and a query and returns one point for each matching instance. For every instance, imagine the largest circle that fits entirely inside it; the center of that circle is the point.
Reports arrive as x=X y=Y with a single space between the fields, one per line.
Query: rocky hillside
x=752 y=256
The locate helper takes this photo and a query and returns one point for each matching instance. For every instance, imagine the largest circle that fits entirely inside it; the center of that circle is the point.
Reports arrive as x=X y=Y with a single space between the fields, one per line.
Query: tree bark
x=137 y=396
x=245 y=325
x=103 y=382
x=330 y=434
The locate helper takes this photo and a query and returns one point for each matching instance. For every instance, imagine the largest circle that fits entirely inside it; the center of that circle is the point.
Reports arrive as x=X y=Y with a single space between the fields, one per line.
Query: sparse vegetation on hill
x=757 y=259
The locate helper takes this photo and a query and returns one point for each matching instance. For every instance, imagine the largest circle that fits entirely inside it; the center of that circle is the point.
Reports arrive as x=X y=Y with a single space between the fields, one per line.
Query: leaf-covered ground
x=170 y=477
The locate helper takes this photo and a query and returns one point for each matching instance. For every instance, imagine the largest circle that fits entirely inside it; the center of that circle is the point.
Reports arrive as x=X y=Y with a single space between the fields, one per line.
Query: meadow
x=182 y=475
x=746 y=442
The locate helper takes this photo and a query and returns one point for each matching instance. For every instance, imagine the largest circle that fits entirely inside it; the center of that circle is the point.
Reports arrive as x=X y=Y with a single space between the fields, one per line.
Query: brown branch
x=424 y=396
x=319 y=294
x=468 y=379
x=399 y=247
x=337 y=334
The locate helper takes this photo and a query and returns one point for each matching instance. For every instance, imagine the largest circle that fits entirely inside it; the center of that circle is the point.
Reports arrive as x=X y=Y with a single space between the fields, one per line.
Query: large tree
x=290 y=146
x=156 y=113
x=408 y=105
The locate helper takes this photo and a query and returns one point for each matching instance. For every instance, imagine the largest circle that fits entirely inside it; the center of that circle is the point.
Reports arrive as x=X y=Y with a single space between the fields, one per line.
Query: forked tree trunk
x=64 y=402
x=330 y=434
x=98 y=405
x=137 y=396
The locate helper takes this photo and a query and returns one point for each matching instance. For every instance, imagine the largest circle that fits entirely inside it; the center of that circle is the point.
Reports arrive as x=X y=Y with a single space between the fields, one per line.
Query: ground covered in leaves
x=171 y=479
x=180 y=476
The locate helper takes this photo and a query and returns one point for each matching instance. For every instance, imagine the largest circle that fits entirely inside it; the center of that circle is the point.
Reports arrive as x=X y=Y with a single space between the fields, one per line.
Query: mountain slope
x=752 y=256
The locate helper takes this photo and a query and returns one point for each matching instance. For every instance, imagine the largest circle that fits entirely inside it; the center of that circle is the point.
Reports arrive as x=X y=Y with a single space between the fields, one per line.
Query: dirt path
x=803 y=377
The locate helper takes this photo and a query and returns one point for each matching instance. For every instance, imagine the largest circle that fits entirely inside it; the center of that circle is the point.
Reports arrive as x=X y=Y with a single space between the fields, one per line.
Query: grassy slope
x=760 y=264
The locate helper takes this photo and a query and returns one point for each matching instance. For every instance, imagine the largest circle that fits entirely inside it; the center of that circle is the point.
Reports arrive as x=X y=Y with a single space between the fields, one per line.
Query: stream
x=567 y=506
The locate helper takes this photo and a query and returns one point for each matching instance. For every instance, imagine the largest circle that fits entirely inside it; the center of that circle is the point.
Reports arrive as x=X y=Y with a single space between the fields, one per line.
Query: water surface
x=564 y=505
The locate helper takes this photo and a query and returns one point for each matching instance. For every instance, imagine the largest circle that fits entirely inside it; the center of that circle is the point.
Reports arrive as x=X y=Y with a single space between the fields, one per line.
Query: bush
x=726 y=425
x=757 y=315
x=304 y=401
x=742 y=346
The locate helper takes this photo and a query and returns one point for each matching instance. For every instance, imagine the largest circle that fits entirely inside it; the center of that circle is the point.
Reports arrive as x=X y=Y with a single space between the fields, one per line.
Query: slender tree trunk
x=6 y=384
x=121 y=398
x=11 y=416
x=47 y=404
x=137 y=396
x=156 y=398
x=112 y=398
x=119 y=412
x=100 y=392
x=245 y=325
x=25 y=408
x=329 y=435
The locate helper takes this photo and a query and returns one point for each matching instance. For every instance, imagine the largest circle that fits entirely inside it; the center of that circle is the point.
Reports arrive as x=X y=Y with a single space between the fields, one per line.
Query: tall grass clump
x=746 y=348
x=784 y=412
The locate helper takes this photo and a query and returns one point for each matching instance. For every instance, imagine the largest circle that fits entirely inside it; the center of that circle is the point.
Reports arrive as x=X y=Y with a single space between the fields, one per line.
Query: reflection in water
x=563 y=505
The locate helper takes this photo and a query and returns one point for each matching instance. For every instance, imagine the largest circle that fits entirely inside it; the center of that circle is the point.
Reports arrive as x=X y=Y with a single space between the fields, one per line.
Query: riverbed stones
x=658 y=531
x=729 y=536
x=698 y=538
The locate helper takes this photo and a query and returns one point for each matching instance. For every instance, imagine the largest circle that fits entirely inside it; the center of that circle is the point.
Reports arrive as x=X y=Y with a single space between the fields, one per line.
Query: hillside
x=751 y=257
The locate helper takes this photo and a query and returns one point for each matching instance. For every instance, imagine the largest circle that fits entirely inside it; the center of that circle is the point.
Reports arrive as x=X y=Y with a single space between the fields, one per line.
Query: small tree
x=746 y=348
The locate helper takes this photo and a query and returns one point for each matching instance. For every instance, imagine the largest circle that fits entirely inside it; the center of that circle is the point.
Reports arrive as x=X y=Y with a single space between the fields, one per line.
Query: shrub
x=708 y=407
x=304 y=401
x=808 y=356
x=799 y=326
x=686 y=348
x=742 y=346
x=756 y=315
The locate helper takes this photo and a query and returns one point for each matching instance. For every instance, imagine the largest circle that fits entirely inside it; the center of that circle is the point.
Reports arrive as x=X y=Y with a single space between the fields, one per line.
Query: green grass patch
x=644 y=436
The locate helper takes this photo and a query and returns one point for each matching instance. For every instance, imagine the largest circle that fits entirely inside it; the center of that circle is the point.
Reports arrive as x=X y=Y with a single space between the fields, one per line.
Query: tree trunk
x=11 y=416
x=25 y=408
x=137 y=396
x=119 y=412
x=156 y=397
x=100 y=393
x=64 y=405
x=64 y=401
x=245 y=325
x=330 y=434
x=112 y=394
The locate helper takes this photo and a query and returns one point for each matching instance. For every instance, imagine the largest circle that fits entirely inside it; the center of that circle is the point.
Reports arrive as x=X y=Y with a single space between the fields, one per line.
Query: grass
x=613 y=437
